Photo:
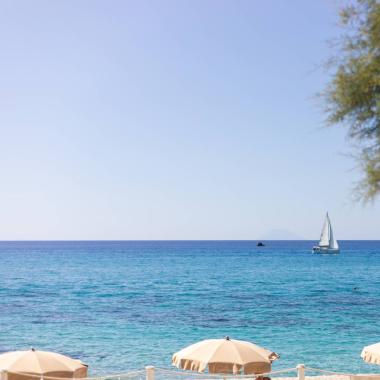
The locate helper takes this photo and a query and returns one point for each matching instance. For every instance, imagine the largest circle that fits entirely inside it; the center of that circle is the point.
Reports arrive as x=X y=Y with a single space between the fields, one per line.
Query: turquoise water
x=122 y=305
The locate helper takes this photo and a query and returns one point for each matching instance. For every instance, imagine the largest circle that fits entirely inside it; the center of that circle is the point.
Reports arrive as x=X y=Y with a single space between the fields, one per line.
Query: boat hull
x=325 y=250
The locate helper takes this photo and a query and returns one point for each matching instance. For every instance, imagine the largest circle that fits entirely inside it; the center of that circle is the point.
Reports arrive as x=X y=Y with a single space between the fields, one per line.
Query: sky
x=171 y=120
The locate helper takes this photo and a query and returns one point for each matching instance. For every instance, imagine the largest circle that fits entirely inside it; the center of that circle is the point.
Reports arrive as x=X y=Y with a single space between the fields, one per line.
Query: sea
x=122 y=305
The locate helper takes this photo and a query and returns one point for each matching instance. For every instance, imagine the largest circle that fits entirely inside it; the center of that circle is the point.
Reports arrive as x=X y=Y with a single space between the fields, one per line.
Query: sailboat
x=327 y=242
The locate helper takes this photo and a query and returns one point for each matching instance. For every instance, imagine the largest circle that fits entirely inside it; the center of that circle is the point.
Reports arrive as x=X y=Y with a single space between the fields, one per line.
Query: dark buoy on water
x=260 y=244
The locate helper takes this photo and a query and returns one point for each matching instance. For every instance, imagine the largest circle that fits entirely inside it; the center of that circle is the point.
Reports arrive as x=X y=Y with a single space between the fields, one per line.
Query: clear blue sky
x=171 y=120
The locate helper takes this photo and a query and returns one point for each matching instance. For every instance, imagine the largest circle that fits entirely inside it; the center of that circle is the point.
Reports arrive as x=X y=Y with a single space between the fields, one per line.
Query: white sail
x=333 y=244
x=325 y=234
x=327 y=242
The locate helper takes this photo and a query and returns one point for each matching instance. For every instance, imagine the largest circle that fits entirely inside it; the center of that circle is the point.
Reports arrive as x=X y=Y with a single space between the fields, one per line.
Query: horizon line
x=167 y=240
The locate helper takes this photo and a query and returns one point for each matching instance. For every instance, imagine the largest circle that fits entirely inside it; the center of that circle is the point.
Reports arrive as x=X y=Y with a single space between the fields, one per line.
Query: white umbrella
x=225 y=356
x=23 y=365
x=371 y=354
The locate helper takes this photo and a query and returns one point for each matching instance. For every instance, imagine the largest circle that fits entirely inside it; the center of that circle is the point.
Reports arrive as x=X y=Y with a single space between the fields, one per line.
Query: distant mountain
x=280 y=234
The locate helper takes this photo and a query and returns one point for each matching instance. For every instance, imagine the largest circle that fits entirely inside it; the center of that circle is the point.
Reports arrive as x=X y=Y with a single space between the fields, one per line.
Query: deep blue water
x=122 y=305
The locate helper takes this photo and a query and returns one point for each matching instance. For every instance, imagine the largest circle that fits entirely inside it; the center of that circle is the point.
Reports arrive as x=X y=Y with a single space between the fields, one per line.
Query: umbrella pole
x=149 y=372
x=301 y=371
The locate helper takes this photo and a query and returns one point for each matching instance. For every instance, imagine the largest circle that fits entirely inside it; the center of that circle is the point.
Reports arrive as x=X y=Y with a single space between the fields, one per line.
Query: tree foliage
x=353 y=94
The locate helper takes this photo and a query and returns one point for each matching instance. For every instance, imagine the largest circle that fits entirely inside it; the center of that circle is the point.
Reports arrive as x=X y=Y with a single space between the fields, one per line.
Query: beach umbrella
x=225 y=356
x=371 y=354
x=33 y=364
